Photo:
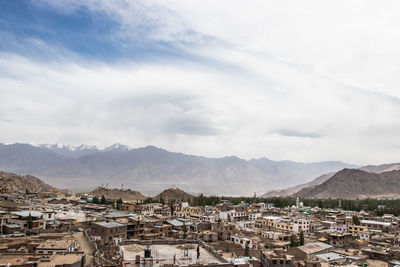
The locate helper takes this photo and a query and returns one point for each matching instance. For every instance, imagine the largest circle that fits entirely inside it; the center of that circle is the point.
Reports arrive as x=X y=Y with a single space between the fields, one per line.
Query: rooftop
x=26 y=213
x=311 y=248
x=55 y=244
x=63 y=258
x=164 y=254
x=109 y=224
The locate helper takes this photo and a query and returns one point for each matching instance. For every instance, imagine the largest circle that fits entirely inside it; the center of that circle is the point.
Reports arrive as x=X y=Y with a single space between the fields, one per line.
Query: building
x=310 y=249
x=302 y=225
x=356 y=230
x=338 y=239
x=108 y=231
x=267 y=222
x=234 y=216
x=375 y=225
x=70 y=259
x=53 y=246
x=134 y=228
x=21 y=218
x=277 y=260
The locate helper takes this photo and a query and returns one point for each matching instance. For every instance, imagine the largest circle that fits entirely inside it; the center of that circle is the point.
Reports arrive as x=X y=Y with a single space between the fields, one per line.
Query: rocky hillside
x=10 y=182
x=292 y=190
x=320 y=179
x=354 y=183
x=174 y=194
x=125 y=195
x=381 y=168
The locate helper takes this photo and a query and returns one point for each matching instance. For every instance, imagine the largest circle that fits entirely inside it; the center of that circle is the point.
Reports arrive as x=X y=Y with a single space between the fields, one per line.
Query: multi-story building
x=302 y=225
x=108 y=231
x=357 y=229
x=21 y=218
x=234 y=216
x=376 y=225
x=223 y=230
x=284 y=225
x=134 y=228
x=254 y=216
x=267 y=222
x=277 y=260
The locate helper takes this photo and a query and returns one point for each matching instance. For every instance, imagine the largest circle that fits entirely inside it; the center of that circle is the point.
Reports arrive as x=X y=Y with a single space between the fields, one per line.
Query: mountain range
x=150 y=169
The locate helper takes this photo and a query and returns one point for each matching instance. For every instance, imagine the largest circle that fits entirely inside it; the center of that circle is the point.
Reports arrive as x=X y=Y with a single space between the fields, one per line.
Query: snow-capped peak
x=86 y=147
x=117 y=146
x=61 y=146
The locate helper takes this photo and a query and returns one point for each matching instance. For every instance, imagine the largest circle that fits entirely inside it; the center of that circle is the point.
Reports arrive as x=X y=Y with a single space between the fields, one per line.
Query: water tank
x=147 y=253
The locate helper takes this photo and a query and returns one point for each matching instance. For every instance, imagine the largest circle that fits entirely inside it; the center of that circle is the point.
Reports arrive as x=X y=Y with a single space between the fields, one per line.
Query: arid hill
x=125 y=195
x=174 y=194
x=292 y=190
x=11 y=182
x=354 y=183
x=320 y=179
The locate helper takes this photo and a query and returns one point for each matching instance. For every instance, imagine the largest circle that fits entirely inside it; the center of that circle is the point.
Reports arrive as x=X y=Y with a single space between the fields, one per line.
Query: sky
x=287 y=80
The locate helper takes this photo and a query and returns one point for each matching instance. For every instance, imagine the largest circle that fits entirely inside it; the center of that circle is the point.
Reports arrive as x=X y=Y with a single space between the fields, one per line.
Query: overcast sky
x=299 y=80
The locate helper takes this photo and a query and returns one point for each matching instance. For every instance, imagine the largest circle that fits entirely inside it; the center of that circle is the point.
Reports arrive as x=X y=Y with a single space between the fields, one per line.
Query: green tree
x=96 y=200
x=119 y=204
x=171 y=206
x=148 y=200
x=301 y=242
x=247 y=250
x=184 y=230
x=103 y=199
x=356 y=220
x=293 y=241
x=29 y=221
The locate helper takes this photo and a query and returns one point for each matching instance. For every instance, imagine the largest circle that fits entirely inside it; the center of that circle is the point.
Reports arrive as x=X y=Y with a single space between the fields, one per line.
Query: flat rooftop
x=59 y=259
x=14 y=259
x=164 y=254
x=109 y=224
x=55 y=244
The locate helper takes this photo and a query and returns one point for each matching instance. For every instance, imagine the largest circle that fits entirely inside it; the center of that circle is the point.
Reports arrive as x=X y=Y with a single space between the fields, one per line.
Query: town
x=68 y=229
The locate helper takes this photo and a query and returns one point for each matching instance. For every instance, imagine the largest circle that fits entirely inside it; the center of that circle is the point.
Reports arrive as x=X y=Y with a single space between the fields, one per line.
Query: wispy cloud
x=297 y=133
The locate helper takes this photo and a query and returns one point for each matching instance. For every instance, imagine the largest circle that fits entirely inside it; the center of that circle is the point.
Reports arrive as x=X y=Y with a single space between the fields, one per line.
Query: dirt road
x=85 y=246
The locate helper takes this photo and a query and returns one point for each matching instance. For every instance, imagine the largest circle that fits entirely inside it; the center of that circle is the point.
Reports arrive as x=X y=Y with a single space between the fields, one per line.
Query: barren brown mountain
x=354 y=183
x=11 y=182
x=125 y=195
x=174 y=194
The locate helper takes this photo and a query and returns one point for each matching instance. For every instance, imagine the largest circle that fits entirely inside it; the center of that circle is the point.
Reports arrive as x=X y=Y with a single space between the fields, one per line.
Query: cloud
x=286 y=81
x=296 y=133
